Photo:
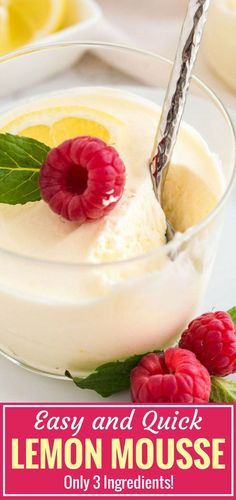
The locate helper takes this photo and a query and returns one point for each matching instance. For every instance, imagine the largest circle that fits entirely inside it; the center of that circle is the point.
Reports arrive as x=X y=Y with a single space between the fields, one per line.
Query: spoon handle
x=177 y=91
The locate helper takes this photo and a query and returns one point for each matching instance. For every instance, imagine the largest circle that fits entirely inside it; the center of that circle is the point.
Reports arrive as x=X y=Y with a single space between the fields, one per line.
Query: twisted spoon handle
x=177 y=91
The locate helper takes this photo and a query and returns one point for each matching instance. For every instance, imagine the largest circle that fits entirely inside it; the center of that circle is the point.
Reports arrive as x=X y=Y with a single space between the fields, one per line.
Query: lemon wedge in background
x=23 y=21
x=54 y=125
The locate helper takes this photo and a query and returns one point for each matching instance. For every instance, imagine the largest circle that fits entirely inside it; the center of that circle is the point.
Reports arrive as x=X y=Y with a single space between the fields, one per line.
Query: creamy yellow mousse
x=69 y=296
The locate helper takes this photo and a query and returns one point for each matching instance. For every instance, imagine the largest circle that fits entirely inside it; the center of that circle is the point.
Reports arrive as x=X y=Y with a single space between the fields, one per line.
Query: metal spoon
x=176 y=97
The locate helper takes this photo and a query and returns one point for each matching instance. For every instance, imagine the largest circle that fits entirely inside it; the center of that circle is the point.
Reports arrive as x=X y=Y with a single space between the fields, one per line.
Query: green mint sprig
x=223 y=390
x=232 y=313
x=20 y=161
x=111 y=378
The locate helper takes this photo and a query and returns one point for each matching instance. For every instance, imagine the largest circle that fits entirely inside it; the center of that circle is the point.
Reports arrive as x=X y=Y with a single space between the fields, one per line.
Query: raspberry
x=82 y=179
x=175 y=376
x=212 y=337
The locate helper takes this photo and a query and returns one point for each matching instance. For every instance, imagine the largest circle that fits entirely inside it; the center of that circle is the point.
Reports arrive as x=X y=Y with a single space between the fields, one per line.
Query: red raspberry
x=175 y=376
x=212 y=337
x=82 y=179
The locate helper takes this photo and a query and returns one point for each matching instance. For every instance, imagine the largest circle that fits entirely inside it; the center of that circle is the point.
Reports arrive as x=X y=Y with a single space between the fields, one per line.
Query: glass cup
x=58 y=316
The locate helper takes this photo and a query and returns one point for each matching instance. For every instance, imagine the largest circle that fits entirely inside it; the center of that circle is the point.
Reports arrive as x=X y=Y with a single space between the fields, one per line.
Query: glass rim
x=180 y=238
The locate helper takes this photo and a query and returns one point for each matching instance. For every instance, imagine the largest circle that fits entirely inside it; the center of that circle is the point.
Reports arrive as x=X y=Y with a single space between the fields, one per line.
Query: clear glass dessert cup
x=58 y=316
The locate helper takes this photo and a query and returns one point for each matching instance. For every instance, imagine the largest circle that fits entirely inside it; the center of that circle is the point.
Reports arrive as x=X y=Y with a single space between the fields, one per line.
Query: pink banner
x=92 y=450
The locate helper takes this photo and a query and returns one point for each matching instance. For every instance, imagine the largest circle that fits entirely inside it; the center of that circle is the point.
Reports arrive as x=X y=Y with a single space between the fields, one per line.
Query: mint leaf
x=109 y=378
x=222 y=390
x=20 y=162
x=232 y=313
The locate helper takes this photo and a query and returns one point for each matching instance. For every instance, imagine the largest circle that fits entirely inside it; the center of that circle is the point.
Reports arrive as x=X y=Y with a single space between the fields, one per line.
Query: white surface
x=19 y=385
x=155 y=25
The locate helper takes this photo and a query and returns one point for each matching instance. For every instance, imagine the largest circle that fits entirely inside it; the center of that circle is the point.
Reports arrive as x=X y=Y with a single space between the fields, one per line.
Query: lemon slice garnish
x=23 y=21
x=54 y=125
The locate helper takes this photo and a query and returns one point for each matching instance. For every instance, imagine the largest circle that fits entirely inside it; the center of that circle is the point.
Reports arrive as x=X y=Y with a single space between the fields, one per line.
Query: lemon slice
x=23 y=21
x=54 y=125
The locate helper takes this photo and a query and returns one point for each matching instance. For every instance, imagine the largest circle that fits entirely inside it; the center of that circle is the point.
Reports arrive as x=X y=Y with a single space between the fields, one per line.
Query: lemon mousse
x=86 y=294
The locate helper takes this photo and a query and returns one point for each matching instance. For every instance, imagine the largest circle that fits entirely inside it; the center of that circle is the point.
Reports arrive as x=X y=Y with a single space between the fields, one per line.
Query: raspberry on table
x=212 y=337
x=174 y=376
x=82 y=179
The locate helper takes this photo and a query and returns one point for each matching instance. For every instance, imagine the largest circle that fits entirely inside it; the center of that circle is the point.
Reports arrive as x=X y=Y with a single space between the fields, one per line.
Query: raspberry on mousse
x=212 y=337
x=82 y=179
x=174 y=376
